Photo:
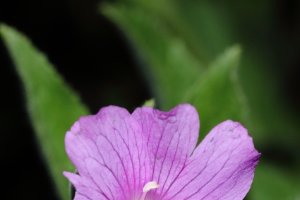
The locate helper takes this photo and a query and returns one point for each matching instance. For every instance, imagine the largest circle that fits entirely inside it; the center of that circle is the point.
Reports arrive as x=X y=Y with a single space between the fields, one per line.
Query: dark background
x=93 y=56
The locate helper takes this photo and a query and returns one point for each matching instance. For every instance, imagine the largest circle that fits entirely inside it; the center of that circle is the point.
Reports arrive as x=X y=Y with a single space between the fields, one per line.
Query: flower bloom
x=152 y=155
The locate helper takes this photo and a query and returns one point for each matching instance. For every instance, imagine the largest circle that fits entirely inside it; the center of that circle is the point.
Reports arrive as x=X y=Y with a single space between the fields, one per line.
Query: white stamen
x=149 y=186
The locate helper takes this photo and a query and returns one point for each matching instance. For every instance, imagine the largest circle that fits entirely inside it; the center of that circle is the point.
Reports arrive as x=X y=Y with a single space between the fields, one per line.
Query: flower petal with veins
x=118 y=154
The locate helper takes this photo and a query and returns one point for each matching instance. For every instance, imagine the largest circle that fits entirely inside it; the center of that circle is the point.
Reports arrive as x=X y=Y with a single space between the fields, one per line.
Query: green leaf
x=273 y=183
x=198 y=31
x=150 y=103
x=217 y=94
x=272 y=119
x=198 y=23
x=171 y=66
x=53 y=106
x=176 y=74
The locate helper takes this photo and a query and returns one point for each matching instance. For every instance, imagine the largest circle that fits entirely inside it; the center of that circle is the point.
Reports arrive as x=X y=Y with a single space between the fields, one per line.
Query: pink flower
x=152 y=155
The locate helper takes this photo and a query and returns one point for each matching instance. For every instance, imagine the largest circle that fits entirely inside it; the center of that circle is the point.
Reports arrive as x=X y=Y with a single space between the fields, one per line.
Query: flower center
x=147 y=187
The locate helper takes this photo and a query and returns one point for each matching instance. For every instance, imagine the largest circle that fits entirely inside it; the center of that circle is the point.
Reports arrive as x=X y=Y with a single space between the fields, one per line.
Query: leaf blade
x=52 y=105
x=217 y=94
x=169 y=64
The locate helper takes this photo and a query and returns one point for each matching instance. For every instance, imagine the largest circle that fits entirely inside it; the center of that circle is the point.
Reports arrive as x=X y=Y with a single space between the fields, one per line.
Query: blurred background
x=97 y=58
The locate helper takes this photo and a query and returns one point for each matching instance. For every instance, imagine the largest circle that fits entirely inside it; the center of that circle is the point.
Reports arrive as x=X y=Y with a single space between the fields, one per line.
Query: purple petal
x=222 y=166
x=81 y=197
x=110 y=155
x=116 y=154
x=170 y=137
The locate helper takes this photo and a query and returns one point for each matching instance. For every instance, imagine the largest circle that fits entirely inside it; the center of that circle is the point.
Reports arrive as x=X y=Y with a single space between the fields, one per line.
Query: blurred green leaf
x=210 y=26
x=150 y=103
x=171 y=66
x=272 y=119
x=176 y=74
x=273 y=183
x=198 y=31
x=198 y=23
x=53 y=106
x=217 y=94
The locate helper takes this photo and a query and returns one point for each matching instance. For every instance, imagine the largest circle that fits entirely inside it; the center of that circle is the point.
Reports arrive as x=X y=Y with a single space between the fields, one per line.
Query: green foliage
x=52 y=105
x=217 y=95
x=174 y=65
x=178 y=42
x=273 y=183
x=150 y=103
x=164 y=53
